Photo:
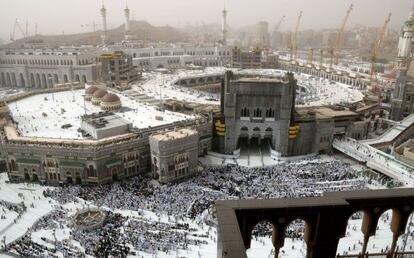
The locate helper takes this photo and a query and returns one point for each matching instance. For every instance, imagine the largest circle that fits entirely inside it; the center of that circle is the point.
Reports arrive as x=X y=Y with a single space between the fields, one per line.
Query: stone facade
x=32 y=68
x=85 y=161
x=258 y=108
x=174 y=154
x=262 y=108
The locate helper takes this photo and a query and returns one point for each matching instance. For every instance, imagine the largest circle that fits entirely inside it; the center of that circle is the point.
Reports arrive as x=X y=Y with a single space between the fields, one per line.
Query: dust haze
x=72 y=16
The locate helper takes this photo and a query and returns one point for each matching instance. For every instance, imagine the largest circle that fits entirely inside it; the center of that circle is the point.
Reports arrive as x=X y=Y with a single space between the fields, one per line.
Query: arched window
x=270 y=112
x=257 y=112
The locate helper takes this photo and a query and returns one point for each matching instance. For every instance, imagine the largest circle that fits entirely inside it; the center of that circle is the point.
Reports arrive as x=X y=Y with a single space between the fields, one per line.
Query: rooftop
x=104 y=120
x=323 y=112
x=174 y=135
x=43 y=115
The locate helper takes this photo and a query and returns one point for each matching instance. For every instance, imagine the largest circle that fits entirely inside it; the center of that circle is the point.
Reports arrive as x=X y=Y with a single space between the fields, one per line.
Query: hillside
x=142 y=29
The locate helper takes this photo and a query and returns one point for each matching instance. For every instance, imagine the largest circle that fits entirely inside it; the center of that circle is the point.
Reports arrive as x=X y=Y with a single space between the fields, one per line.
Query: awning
x=71 y=164
x=28 y=161
x=113 y=162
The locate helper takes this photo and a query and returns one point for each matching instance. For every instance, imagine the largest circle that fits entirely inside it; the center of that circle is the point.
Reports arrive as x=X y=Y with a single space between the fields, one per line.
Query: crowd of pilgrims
x=7 y=207
x=192 y=200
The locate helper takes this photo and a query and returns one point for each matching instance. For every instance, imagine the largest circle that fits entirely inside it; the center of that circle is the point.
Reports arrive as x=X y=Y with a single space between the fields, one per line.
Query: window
x=257 y=112
x=245 y=112
x=270 y=112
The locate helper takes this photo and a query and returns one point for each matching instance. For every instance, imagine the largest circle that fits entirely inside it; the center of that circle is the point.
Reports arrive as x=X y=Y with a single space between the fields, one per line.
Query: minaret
x=224 y=26
x=127 y=21
x=104 y=28
x=405 y=47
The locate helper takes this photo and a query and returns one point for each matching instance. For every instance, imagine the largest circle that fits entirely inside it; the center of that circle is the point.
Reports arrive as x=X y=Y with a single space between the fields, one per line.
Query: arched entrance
x=38 y=84
x=14 y=82
x=78 y=179
x=8 y=80
x=22 y=81
x=114 y=172
x=32 y=81
x=44 y=81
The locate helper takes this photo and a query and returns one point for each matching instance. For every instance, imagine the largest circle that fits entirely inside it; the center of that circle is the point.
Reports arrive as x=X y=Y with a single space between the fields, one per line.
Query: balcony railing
x=326 y=219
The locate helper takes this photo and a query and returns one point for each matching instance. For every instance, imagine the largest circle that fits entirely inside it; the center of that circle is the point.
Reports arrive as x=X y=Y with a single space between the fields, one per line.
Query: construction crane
x=339 y=36
x=310 y=57
x=292 y=40
x=294 y=49
x=17 y=25
x=277 y=27
x=376 y=90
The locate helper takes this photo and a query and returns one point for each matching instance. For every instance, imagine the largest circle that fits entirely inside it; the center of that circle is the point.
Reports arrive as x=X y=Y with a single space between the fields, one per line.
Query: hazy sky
x=55 y=16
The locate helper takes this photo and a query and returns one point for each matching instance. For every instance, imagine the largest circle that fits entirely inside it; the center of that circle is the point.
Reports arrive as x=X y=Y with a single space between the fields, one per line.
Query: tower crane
x=292 y=40
x=335 y=45
x=294 y=49
x=376 y=90
x=17 y=25
x=277 y=27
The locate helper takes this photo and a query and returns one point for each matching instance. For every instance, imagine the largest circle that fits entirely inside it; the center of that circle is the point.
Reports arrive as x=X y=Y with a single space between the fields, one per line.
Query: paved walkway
x=376 y=159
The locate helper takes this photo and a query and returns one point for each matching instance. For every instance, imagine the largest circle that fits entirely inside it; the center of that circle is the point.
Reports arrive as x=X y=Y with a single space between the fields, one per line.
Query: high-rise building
x=403 y=96
x=263 y=35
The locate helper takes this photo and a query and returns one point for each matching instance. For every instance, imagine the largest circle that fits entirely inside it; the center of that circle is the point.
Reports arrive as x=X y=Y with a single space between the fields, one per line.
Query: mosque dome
x=110 y=97
x=99 y=93
x=110 y=102
x=91 y=90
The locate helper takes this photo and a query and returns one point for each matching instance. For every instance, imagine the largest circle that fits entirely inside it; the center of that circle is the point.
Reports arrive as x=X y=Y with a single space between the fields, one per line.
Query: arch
x=91 y=171
x=383 y=234
x=295 y=237
x=403 y=240
x=256 y=130
x=38 y=83
x=244 y=131
x=77 y=78
x=8 y=80
x=114 y=173
x=44 y=81
x=84 y=79
x=56 y=78
x=65 y=78
x=193 y=81
x=3 y=79
x=13 y=166
x=49 y=80
x=353 y=234
x=260 y=234
x=257 y=112
x=35 y=178
x=22 y=80
x=32 y=80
